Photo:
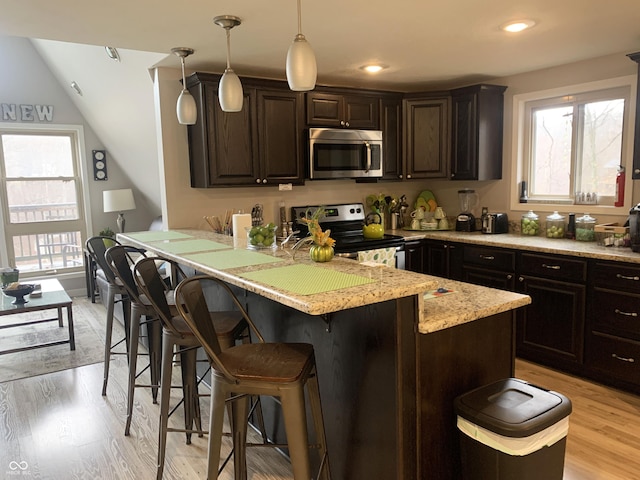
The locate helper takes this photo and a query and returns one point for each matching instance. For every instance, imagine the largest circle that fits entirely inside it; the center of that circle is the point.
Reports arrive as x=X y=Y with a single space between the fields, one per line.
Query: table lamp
x=118 y=201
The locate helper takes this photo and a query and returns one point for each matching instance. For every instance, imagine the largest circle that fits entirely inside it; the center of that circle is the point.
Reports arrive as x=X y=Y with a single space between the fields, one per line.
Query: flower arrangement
x=315 y=230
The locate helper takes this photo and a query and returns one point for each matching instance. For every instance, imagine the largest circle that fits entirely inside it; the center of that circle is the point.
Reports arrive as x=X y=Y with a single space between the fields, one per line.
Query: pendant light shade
x=230 y=94
x=302 y=70
x=186 y=110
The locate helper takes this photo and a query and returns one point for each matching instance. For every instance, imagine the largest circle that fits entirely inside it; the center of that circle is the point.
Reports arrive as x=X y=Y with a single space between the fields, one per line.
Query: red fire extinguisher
x=620 y=187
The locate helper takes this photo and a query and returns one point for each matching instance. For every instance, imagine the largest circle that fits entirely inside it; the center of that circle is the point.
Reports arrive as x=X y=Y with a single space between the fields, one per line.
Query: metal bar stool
x=276 y=369
x=96 y=247
x=121 y=263
x=230 y=327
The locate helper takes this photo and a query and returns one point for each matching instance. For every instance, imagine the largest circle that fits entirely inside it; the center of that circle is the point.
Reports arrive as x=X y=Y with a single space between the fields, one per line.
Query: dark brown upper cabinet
x=426 y=126
x=338 y=110
x=636 y=138
x=391 y=126
x=476 y=132
x=260 y=145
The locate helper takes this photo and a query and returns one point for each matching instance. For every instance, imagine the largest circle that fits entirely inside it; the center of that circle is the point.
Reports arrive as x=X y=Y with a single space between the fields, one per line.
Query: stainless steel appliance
x=466 y=222
x=634 y=228
x=344 y=153
x=495 y=223
x=345 y=222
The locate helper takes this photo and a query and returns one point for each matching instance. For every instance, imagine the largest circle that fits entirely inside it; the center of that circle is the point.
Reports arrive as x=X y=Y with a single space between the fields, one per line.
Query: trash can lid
x=512 y=407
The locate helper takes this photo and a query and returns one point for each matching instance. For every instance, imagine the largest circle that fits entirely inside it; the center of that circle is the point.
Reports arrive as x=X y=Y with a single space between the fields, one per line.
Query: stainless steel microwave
x=343 y=153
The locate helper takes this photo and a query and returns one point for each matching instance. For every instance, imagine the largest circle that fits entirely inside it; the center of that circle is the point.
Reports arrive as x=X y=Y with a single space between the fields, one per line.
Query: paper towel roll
x=239 y=221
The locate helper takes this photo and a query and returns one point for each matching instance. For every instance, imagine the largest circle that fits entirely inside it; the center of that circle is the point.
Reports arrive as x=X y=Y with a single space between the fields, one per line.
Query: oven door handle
x=353 y=255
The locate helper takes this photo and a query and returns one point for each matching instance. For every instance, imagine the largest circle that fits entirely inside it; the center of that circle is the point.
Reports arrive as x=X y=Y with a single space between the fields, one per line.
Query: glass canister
x=555 y=225
x=530 y=224
x=585 y=228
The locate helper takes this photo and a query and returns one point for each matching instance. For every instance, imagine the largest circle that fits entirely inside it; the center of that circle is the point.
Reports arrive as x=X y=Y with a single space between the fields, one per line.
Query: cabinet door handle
x=257 y=180
x=487 y=257
x=509 y=277
x=625 y=277
x=342 y=123
x=628 y=314
x=551 y=267
x=264 y=180
x=521 y=279
x=623 y=359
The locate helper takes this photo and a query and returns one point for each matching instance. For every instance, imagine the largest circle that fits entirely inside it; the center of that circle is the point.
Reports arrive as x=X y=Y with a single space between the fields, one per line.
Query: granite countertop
x=465 y=303
x=384 y=283
x=522 y=242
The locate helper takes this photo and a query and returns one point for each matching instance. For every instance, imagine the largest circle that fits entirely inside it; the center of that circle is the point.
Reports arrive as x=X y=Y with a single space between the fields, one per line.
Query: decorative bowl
x=261 y=237
x=18 y=292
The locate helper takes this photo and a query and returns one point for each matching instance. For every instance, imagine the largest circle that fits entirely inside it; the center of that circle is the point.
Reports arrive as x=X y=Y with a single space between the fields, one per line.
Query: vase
x=321 y=253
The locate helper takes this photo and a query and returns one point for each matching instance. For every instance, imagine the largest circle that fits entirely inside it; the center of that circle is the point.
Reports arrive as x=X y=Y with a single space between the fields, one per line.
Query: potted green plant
x=107 y=232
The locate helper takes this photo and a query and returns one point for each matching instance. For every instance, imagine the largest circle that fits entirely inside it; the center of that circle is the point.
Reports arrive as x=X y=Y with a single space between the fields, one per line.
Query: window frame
x=521 y=132
x=83 y=223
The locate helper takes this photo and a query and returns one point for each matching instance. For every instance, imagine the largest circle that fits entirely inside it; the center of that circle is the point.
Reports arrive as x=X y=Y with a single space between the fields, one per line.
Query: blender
x=466 y=222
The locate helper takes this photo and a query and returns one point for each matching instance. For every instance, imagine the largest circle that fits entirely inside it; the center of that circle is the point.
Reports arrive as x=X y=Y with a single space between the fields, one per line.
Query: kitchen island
x=389 y=362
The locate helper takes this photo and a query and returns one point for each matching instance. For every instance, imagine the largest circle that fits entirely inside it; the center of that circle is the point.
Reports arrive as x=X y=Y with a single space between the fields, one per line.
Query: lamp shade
x=118 y=200
x=230 y=92
x=186 y=108
x=302 y=70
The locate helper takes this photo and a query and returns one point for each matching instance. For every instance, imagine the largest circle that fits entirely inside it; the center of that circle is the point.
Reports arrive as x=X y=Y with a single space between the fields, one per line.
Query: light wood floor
x=59 y=427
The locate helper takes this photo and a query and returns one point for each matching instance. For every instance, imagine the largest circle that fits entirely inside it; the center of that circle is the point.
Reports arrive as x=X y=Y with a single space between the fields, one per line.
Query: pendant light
x=186 y=107
x=230 y=94
x=301 y=62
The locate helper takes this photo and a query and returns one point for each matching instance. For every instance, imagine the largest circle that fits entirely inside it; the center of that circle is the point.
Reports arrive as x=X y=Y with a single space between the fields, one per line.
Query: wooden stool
x=276 y=369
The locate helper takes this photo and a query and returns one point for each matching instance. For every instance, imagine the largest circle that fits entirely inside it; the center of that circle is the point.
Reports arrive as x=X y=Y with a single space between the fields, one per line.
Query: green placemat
x=232 y=258
x=306 y=279
x=157 y=236
x=190 y=246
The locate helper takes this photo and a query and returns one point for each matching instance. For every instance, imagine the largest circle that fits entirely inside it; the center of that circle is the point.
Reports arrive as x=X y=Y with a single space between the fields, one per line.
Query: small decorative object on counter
x=620 y=178
x=571 y=227
x=555 y=225
x=612 y=235
x=530 y=224
x=585 y=228
x=322 y=247
x=261 y=236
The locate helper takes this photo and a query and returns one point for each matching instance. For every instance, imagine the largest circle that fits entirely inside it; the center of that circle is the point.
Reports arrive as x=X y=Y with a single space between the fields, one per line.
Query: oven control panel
x=347 y=212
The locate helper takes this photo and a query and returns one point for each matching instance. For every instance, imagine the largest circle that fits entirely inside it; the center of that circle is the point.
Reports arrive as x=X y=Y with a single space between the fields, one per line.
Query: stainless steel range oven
x=346 y=221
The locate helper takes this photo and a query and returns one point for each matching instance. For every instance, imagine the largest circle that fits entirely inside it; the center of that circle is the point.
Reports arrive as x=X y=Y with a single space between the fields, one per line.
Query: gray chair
x=230 y=327
x=116 y=292
x=276 y=369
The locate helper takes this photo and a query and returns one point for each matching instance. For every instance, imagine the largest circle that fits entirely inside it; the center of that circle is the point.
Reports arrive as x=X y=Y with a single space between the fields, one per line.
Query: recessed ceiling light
x=517 y=26
x=112 y=53
x=373 y=68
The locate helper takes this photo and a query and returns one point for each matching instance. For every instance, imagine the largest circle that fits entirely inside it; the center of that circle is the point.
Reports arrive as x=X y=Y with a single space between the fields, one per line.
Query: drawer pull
x=617 y=357
x=551 y=267
x=625 y=277
x=487 y=257
x=628 y=314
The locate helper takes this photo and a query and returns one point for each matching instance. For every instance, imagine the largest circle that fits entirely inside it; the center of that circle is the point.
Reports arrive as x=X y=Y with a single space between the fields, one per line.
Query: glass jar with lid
x=585 y=228
x=530 y=224
x=555 y=225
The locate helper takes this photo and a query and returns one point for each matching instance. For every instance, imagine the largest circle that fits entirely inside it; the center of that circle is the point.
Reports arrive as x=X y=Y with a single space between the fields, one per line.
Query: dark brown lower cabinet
x=551 y=329
x=444 y=259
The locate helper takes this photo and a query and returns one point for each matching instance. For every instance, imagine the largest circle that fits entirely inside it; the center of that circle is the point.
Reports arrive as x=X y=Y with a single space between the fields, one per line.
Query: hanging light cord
x=299 y=19
x=228 y=48
x=184 y=80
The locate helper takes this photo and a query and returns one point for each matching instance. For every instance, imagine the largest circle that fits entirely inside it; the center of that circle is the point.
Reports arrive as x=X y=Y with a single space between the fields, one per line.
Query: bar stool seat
x=276 y=369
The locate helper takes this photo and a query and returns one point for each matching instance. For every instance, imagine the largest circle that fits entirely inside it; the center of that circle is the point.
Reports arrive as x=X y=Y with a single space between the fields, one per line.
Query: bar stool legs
x=112 y=291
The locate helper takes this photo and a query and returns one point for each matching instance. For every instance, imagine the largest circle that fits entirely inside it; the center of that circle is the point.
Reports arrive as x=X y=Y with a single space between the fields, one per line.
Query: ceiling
x=424 y=43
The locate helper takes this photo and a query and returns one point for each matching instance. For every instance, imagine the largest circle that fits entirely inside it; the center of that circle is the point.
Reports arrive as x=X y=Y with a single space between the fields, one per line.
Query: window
x=42 y=199
x=572 y=142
